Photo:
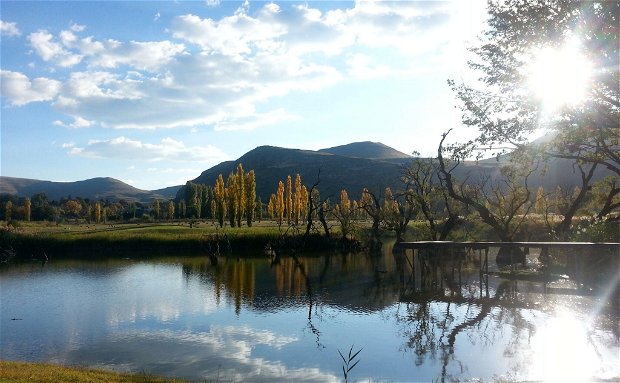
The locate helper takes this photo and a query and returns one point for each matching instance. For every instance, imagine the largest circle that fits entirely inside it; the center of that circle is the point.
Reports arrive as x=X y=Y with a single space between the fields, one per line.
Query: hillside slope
x=94 y=189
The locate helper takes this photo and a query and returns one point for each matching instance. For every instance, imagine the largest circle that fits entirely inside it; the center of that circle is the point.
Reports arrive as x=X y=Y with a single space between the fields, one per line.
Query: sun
x=559 y=76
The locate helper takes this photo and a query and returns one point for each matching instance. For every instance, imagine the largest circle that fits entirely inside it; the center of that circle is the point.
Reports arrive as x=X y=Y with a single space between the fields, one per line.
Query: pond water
x=254 y=320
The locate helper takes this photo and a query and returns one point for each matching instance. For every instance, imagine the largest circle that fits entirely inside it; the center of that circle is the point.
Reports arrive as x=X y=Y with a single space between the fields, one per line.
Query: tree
x=239 y=194
x=344 y=214
x=289 y=200
x=219 y=201
x=170 y=210
x=156 y=210
x=506 y=111
x=232 y=200
x=98 y=212
x=423 y=183
x=72 y=208
x=371 y=205
x=280 y=203
x=27 y=209
x=8 y=211
x=297 y=200
x=502 y=203
x=250 y=197
x=397 y=212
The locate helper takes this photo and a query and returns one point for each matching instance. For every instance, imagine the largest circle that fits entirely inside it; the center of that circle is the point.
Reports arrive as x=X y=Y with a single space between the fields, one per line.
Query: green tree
x=8 y=211
x=27 y=209
x=156 y=209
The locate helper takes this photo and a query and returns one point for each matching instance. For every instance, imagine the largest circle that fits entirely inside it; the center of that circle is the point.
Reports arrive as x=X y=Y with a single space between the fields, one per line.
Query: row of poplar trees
x=288 y=205
x=235 y=199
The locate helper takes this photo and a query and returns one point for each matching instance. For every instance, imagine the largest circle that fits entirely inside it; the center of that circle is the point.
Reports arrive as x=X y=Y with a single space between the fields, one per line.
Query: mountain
x=367 y=149
x=366 y=164
x=94 y=189
x=272 y=164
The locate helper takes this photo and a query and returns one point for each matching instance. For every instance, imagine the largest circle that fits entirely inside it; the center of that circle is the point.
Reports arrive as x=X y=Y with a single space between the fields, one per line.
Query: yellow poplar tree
x=231 y=199
x=297 y=199
x=250 y=196
x=239 y=194
x=219 y=201
x=289 y=200
x=280 y=202
x=303 y=202
x=98 y=212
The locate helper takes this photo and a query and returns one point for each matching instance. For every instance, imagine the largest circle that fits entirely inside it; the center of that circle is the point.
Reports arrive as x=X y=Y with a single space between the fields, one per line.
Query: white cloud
x=46 y=46
x=77 y=27
x=9 y=28
x=223 y=72
x=20 y=90
x=169 y=149
x=78 y=122
x=157 y=16
x=256 y=120
x=212 y=3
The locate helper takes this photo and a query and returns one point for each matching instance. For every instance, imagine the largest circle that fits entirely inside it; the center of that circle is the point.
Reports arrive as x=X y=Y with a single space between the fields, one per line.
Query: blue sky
x=153 y=93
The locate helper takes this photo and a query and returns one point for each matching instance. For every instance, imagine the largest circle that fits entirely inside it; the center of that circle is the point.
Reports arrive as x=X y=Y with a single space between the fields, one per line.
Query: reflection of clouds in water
x=223 y=353
x=144 y=291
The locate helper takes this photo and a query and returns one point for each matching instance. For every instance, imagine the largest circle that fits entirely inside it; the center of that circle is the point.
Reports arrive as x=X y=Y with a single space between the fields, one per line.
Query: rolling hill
x=94 y=189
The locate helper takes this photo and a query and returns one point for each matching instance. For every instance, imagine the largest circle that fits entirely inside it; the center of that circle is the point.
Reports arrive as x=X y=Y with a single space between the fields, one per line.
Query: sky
x=154 y=93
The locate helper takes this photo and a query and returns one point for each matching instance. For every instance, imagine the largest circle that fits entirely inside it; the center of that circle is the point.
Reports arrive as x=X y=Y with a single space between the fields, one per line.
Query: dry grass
x=51 y=373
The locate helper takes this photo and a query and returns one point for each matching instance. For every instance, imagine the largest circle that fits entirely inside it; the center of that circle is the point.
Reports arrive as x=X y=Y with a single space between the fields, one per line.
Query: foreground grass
x=51 y=373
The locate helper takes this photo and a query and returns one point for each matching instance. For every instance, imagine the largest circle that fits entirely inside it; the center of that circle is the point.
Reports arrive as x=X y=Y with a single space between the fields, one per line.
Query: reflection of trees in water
x=440 y=303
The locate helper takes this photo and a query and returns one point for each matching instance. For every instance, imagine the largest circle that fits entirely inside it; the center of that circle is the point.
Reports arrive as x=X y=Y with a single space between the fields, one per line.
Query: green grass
x=33 y=239
x=18 y=372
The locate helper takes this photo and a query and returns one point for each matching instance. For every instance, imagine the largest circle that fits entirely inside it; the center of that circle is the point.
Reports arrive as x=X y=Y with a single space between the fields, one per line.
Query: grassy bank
x=51 y=373
x=33 y=240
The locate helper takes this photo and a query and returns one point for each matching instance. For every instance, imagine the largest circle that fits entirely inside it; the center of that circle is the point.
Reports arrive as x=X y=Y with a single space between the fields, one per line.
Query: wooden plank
x=486 y=245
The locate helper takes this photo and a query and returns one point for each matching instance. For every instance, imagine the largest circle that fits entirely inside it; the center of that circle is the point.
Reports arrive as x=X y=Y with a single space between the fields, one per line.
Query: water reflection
x=258 y=320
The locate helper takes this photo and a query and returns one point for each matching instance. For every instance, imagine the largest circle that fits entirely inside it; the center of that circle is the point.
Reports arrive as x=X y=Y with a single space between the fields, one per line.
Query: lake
x=249 y=319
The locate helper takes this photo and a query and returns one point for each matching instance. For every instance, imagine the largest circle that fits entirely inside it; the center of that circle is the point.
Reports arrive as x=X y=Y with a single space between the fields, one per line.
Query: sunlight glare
x=563 y=352
x=559 y=76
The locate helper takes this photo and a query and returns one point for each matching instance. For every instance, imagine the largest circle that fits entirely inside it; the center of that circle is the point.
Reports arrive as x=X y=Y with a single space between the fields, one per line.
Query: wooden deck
x=487 y=245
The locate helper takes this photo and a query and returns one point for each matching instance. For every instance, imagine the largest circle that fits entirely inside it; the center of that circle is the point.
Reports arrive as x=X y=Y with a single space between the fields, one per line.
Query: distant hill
x=272 y=164
x=367 y=149
x=94 y=189
x=352 y=167
x=364 y=164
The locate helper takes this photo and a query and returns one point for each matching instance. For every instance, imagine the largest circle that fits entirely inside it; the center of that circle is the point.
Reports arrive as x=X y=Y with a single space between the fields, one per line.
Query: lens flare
x=559 y=76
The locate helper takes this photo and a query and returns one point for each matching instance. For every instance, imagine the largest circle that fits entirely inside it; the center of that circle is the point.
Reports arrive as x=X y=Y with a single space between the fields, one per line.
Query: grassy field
x=34 y=239
x=18 y=372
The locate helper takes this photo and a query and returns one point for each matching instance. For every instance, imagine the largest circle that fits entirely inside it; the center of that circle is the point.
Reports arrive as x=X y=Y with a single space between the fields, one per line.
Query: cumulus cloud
x=78 y=122
x=169 y=149
x=222 y=72
x=49 y=49
x=9 y=28
x=20 y=90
